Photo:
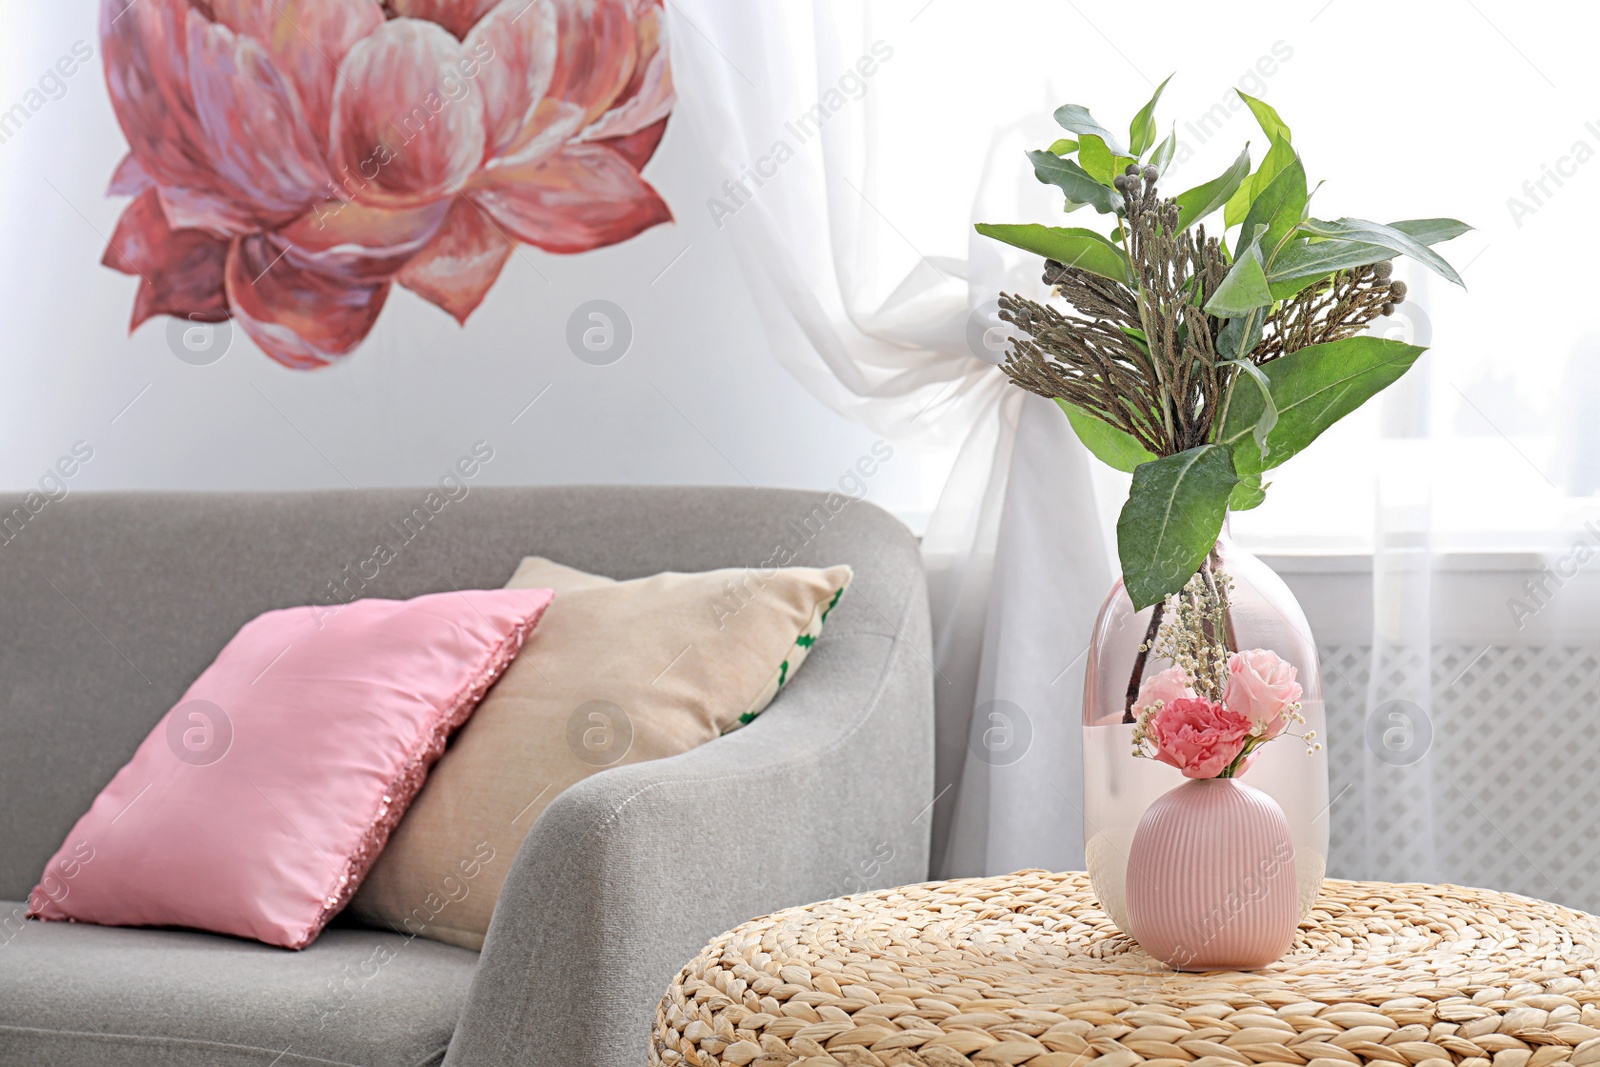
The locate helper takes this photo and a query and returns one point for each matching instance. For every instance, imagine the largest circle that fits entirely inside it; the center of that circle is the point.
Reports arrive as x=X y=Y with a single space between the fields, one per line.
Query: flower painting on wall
x=290 y=161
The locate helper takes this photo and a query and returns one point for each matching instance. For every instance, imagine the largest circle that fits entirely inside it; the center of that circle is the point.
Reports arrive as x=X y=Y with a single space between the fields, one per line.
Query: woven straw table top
x=1026 y=970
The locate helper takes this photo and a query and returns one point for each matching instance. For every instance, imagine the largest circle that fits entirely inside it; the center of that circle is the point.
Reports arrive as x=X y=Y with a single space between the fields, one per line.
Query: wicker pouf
x=1027 y=970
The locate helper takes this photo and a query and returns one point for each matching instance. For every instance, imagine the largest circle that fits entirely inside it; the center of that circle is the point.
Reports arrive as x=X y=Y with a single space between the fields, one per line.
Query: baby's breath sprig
x=1257 y=739
x=1143 y=745
x=1193 y=629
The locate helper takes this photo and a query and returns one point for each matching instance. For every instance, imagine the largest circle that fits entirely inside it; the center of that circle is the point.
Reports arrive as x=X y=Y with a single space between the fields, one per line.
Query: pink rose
x=1197 y=737
x=1262 y=688
x=1171 y=684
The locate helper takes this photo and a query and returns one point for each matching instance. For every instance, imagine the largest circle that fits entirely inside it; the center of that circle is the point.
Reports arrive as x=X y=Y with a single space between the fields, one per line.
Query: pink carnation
x=1171 y=684
x=1196 y=736
x=1262 y=687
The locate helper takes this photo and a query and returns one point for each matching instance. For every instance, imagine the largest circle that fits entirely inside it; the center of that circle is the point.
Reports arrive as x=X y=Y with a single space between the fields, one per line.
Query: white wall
x=697 y=398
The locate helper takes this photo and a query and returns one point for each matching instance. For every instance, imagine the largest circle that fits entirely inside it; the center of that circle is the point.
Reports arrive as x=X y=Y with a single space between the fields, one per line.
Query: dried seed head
x=1383 y=270
x=1397 y=291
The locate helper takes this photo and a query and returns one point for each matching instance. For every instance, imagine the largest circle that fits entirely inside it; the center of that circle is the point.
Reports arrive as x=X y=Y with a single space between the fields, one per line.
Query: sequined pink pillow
x=257 y=804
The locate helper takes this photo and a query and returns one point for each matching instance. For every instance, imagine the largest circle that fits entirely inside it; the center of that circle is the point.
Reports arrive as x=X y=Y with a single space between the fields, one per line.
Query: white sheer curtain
x=1459 y=729
x=784 y=99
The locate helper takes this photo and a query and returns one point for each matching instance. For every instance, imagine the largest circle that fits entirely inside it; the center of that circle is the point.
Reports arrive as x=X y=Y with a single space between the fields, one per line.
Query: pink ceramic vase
x=1211 y=878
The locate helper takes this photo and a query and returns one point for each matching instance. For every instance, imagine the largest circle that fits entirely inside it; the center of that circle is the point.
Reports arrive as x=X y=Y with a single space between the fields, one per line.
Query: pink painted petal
x=180 y=271
x=584 y=197
x=307 y=40
x=649 y=96
x=257 y=136
x=457 y=16
x=521 y=38
x=461 y=263
x=145 y=44
x=359 y=242
x=196 y=209
x=300 y=318
x=129 y=179
x=637 y=148
x=597 y=55
x=391 y=122
x=554 y=123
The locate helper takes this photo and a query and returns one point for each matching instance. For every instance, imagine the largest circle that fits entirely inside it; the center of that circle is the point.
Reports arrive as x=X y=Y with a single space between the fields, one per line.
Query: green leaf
x=1074 y=181
x=1249 y=493
x=1099 y=161
x=1303 y=263
x=1314 y=388
x=1278 y=208
x=1271 y=125
x=1095 y=158
x=1111 y=446
x=1202 y=200
x=1269 y=408
x=1280 y=155
x=1396 y=240
x=1241 y=335
x=1077 y=120
x=1244 y=289
x=1431 y=231
x=1142 y=130
x=1071 y=245
x=1171 y=521
x=1064 y=147
x=1161 y=158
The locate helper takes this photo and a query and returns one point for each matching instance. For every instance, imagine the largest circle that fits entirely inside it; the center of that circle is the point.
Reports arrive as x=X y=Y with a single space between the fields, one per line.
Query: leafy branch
x=1195 y=368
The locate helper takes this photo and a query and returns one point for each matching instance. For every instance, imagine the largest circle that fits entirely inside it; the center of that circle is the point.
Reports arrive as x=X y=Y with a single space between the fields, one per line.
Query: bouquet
x=1208 y=713
x=1199 y=354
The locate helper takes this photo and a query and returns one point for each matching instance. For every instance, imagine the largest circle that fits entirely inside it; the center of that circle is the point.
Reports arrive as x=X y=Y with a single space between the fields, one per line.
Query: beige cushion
x=617 y=672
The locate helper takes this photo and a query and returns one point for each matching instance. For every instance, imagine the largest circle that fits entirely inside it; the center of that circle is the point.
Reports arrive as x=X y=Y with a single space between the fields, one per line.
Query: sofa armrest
x=628 y=874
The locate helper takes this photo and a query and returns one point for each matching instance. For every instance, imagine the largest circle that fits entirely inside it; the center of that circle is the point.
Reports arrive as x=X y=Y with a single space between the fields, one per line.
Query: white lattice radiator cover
x=1507 y=796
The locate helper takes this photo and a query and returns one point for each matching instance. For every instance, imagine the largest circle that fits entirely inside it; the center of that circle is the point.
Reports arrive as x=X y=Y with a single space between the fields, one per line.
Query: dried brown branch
x=1090 y=363
x=1141 y=357
x=1341 y=306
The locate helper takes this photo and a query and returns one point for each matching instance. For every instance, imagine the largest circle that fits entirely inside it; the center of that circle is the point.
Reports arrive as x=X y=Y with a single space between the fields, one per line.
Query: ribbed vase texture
x=1211 y=878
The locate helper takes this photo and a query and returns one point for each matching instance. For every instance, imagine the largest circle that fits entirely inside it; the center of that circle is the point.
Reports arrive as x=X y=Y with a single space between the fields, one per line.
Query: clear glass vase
x=1118 y=786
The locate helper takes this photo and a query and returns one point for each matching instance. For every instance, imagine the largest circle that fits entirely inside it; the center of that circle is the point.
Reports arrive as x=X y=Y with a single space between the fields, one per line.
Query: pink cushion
x=257 y=804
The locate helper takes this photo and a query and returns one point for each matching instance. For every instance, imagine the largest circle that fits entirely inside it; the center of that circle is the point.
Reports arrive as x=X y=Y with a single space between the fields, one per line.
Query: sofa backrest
x=113 y=603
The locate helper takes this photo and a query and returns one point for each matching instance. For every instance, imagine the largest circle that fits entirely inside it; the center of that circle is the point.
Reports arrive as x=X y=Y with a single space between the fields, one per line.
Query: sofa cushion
x=78 y=995
x=258 y=803
x=617 y=673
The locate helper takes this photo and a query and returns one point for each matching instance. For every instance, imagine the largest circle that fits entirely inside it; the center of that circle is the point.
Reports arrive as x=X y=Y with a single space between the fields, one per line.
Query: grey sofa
x=113 y=603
